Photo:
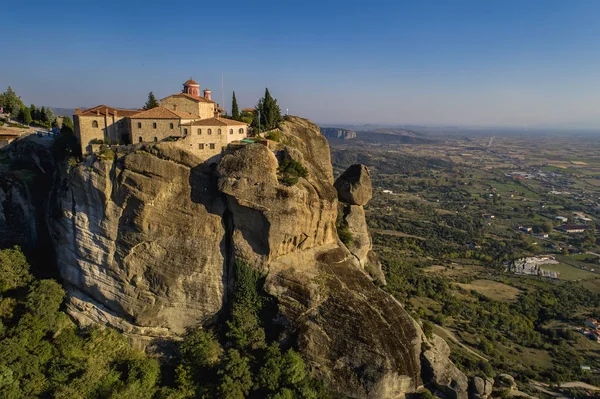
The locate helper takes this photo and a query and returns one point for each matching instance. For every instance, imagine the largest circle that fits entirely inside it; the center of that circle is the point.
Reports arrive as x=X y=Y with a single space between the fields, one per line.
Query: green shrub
x=274 y=135
x=290 y=171
x=344 y=234
x=96 y=141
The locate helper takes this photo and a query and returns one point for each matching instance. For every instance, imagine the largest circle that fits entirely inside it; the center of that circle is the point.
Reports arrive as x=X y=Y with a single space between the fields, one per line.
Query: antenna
x=287 y=111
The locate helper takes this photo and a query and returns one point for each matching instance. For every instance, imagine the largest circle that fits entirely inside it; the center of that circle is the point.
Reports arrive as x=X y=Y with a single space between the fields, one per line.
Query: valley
x=449 y=217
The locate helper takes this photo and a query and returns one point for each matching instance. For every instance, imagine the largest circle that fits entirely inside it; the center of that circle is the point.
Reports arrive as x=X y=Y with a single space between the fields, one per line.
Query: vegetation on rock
x=290 y=171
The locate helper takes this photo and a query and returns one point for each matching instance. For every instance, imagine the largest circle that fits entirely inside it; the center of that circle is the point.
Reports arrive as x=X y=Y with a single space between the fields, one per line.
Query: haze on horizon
x=508 y=63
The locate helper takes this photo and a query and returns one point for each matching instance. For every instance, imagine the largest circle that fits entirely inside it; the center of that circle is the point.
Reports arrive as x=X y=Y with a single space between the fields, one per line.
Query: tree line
x=44 y=354
x=13 y=105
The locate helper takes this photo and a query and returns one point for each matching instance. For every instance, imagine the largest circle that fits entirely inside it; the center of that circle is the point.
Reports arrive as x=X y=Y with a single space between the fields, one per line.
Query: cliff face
x=337 y=133
x=145 y=243
x=140 y=242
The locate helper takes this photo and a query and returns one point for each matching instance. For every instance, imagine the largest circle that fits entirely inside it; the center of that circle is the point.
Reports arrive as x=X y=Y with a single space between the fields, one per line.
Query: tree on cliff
x=152 y=102
x=269 y=111
x=235 y=111
x=11 y=102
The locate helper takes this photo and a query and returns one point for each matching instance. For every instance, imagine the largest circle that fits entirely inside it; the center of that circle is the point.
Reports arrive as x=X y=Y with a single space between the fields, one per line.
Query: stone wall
x=202 y=109
x=144 y=129
x=115 y=129
x=205 y=145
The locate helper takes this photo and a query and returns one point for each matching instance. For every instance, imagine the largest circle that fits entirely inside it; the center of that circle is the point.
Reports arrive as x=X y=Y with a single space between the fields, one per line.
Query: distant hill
x=63 y=111
x=338 y=133
x=393 y=135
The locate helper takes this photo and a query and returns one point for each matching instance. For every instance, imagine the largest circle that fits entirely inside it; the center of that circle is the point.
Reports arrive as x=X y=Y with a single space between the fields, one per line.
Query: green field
x=567 y=272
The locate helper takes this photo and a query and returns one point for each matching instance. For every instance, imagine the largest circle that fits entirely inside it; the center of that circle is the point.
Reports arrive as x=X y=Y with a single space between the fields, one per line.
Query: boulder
x=440 y=373
x=481 y=388
x=505 y=381
x=354 y=185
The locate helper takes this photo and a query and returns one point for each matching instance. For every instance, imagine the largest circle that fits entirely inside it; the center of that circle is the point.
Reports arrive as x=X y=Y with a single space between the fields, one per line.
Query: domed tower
x=191 y=87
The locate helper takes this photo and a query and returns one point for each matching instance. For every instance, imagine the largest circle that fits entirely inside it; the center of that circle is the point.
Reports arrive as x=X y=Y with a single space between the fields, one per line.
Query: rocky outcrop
x=353 y=217
x=26 y=177
x=354 y=185
x=337 y=133
x=140 y=241
x=440 y=373
x=145 y=242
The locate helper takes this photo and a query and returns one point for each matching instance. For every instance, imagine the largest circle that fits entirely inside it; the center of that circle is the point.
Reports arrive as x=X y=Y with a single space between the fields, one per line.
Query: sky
x=459 y=62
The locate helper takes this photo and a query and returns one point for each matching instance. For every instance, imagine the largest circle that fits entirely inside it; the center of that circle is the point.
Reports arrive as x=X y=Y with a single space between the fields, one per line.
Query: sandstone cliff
x=145 y=243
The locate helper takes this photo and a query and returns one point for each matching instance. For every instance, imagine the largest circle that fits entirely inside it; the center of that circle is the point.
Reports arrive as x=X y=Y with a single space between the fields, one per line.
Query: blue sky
x=456 y=62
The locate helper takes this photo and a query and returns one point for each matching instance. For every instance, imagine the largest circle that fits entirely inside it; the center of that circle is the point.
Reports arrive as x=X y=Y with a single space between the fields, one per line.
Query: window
x=171 y=126
x=94 y=123
x=139 y=125
x=199 y=131
x=212 y=146
x=209 y=131
x=241 y=130
x=154 y=125
x=230 y=131
x=219 y=131
x=155 y=139
x=140 y=139
x=200 y=146
x=185 y=132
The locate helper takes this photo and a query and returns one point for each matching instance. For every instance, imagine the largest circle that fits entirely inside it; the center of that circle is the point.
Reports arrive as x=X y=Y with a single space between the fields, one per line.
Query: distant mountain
x=338 y=133
x=63 y=111
x=393 y=135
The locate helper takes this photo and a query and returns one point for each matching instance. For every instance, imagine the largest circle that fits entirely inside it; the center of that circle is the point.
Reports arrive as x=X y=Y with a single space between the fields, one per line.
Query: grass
x=567 y=272
x=493 y=290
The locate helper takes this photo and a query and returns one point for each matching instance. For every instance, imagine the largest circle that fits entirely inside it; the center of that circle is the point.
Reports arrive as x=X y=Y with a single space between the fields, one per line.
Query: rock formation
x=481 y=388
x=440 y=372
x=337 y=133
x=354 y=185
x=145 y=243
x=140 y=241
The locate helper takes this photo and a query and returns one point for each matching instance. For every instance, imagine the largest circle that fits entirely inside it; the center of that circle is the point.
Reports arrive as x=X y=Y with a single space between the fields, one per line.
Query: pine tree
x=43 y=115
x=50 y=118
x=34 y=112
x=235 y=111
x=152 y=102
x=27 y=116
x=11 y=102
x=68 y=127
x=270 y=114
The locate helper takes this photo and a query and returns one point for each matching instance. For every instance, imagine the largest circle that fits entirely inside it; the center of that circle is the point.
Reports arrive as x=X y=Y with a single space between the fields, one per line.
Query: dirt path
x=445 y=333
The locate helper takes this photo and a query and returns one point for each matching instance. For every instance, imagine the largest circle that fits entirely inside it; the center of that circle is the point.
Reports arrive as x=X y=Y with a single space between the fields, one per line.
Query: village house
x=186 y=119
x=573 y=228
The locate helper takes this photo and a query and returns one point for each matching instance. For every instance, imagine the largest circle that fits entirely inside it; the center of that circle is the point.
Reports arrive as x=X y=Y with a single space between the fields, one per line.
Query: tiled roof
x=191 y=82
x=106 y=110
x=163 y=113
x=215 y=122
x=194 y=98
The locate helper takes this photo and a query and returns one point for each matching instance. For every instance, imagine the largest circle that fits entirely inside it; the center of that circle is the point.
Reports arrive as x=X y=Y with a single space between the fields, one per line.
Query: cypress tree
x=235 y=111
x=152 y=102
x=43 y=115
x=27 y=116
x=34 y=112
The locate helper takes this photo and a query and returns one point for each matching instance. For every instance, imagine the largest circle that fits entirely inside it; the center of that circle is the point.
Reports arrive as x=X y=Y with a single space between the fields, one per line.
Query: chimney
x=174 y=107
x=97 y=112
x=77 y=111
x=207 y=94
